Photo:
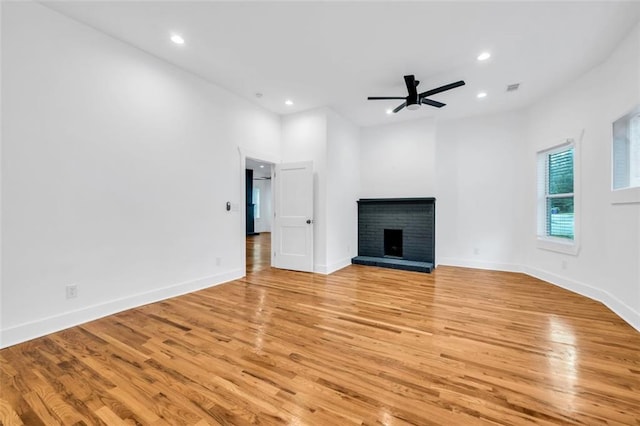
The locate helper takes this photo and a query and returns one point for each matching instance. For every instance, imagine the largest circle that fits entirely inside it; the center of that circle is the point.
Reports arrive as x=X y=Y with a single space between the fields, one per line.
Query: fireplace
x=397 y=233
x=393 y=243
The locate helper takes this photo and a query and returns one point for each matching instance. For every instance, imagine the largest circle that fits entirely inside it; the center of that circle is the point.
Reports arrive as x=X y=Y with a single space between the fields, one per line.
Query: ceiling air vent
x=513 y=87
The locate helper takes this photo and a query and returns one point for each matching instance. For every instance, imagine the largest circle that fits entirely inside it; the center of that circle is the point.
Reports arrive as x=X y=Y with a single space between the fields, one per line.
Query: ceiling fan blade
x=399 y=107
x=432 y=103
x=410 y=81
x=442 y=88
x=373 y=98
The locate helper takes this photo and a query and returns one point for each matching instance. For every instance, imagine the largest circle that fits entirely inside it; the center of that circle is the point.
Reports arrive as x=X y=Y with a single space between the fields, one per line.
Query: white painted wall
x=332 y=143
x=607 y=265
x=111 y=163
x=482 y=172
x=304 y=138
x=473 y=168
x=111 y=174
x=398 y=160
x=263 y=224
x=1 y=178
x=479 y=197
x=343 y=185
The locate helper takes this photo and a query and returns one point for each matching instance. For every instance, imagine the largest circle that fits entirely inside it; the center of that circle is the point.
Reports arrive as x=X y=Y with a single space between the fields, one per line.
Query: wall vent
x=513 y=87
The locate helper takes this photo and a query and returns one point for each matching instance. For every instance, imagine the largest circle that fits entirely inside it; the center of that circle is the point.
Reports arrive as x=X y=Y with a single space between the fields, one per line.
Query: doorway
x=259 y=214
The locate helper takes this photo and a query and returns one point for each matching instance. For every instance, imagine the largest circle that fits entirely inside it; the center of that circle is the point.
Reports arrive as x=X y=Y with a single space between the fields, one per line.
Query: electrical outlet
x=72 y=291
x=476 y=250
x=218 y=261
x=564 y=264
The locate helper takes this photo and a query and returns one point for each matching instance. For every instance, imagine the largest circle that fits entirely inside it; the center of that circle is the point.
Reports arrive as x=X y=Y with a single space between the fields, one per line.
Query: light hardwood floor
x=363 y=346
x=258 y=252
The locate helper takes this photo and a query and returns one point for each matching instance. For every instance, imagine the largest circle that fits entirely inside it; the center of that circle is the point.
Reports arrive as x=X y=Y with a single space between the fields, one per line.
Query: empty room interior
x=320 y=213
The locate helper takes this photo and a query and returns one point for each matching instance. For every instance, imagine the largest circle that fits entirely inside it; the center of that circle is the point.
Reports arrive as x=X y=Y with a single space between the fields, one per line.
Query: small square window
x=626 y=150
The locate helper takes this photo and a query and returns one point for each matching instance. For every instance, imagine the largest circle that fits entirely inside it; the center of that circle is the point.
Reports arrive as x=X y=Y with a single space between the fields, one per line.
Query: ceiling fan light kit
x=414 y=99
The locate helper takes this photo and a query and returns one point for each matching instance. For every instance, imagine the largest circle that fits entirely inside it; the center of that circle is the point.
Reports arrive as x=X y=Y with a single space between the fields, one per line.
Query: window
x=556 y=198
x=626 y=152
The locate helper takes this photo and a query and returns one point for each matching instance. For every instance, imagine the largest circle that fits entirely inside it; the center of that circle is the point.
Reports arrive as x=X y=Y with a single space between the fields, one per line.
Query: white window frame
x=631 y=193
x=544 y=241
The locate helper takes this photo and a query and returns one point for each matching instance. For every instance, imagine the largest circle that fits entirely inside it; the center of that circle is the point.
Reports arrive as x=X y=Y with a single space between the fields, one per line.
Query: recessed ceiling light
x=262 y=166
x=258 y=95
x=177 y=39
x=484 y=56
x=482 y=95
x=389 y=111
x=288 y=102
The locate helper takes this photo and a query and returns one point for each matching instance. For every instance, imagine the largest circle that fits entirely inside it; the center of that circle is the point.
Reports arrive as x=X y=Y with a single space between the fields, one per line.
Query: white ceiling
x=260 y=169
x=336 y=54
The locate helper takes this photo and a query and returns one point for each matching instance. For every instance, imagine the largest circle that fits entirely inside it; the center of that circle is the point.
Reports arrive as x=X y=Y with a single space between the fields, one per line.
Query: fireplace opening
x=393 y=243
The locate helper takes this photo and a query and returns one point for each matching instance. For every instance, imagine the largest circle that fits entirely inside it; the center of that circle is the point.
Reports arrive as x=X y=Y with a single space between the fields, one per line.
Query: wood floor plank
x=363 y=346
x=8 y=416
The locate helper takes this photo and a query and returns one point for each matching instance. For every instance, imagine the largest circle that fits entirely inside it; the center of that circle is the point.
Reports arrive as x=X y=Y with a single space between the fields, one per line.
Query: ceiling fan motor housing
x=413 y=104
x=415 y=99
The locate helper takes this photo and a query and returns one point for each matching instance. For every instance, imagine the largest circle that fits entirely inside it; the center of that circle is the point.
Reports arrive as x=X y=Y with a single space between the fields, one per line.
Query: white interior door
x=293 y=216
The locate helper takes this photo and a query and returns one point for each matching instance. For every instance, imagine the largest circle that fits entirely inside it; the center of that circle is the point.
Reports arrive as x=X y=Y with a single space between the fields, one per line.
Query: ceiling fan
x=415 y=99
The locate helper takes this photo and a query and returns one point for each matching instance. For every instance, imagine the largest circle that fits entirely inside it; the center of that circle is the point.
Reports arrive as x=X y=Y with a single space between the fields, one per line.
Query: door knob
x=309 y=221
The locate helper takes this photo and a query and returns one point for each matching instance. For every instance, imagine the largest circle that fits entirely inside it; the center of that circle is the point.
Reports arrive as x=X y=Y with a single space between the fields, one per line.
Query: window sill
x=625 y=196
x=558 y=245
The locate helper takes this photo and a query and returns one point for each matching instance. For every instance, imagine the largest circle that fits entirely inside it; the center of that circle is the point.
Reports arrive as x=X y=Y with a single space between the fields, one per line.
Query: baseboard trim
x=620 y=308
x=478 y=264
x=332 y=267
x=41 y=327
x=336 y=266
x=320 y=269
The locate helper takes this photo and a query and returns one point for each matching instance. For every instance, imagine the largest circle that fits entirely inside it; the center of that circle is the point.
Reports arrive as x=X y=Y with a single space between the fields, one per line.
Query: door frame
x=266 y=158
